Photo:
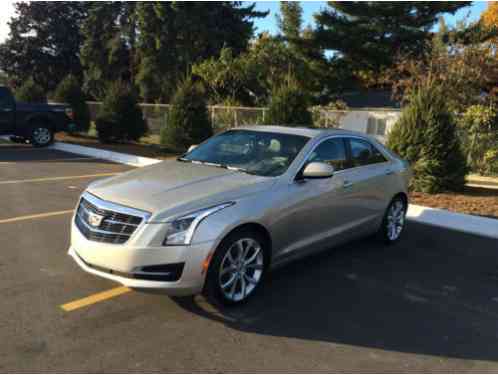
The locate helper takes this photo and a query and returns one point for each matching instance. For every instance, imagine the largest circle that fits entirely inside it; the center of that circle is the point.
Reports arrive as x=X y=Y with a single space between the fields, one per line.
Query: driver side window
x=331 y=151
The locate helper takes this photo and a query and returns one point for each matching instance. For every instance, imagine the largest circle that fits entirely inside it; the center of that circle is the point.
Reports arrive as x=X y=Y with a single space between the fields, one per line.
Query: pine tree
x=69 y=91
x=188 y=120
x=30 y=92
x=426 y=136
x=174 y=36
x=120 y=117
x=368 y=35
x=44 y=42
x=289 y=106
x=107 y=50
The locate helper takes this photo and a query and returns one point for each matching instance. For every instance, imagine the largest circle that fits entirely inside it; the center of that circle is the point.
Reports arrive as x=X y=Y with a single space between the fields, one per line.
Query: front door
x=317 y=212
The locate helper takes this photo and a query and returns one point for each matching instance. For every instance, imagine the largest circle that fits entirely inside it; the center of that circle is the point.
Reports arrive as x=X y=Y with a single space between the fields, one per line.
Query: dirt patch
x=140 y=149
x=472 y=200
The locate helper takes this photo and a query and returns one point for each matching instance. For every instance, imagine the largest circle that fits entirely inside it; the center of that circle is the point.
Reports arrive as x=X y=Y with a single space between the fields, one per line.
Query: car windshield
x=253 y=152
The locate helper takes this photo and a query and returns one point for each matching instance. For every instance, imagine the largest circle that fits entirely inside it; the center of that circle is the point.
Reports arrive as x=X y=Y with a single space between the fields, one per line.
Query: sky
x=269 y=23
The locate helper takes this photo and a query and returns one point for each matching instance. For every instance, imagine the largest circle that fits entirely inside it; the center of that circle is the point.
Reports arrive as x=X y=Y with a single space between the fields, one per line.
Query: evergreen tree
x=289 y=106
x=107 y=51
x=368 y=35
x=44 y=42
x=69 y=91
x=120 y=117
x=30 y=92
x=188 y=120
x=426 y=136
x=290 y=21
x=174 y=36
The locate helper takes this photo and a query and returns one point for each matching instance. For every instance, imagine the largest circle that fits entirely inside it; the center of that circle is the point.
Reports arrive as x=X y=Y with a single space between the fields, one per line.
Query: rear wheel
x=41 y=135
x=237 y=268
x=394 y=221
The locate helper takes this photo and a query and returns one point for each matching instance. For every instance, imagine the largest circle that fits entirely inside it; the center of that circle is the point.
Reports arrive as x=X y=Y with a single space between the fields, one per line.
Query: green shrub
x=30 y=92
x=490 y=160
x=69 y=91
x=478 y=129
x=426 y=136
x=289 y=106
x=120 y=117
x=188 y=120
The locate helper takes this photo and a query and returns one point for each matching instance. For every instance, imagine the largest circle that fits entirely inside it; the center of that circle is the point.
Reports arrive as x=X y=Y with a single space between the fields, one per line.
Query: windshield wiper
x=217 y=165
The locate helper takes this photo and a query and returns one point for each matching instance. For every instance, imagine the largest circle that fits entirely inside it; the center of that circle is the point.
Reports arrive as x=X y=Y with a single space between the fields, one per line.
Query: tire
x=231 y=280
x=394 y=221
x=41 y=135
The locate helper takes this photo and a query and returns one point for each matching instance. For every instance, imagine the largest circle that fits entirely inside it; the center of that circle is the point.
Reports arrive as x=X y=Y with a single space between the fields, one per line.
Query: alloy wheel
x=241 y=269
x=395 y=220
x=42 y=136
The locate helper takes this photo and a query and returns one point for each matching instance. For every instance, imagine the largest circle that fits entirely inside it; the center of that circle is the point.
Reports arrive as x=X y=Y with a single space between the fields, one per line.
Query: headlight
x=181 y=230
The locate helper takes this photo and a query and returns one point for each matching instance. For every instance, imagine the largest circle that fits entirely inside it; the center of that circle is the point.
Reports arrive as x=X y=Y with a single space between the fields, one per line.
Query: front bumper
x=116 y=262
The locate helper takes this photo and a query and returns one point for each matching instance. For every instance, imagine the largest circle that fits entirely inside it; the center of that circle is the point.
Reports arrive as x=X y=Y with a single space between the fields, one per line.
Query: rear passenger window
x=364 y=153
x=331 y=151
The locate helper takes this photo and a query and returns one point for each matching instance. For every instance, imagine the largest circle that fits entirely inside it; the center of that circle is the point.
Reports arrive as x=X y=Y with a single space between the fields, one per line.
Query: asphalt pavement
x=428 y=303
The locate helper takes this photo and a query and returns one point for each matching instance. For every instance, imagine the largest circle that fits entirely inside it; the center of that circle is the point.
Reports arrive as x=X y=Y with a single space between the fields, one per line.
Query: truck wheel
x=41 y=135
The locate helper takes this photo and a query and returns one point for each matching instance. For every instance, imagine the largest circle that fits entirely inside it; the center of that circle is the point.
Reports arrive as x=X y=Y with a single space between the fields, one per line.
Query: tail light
x=70 y=113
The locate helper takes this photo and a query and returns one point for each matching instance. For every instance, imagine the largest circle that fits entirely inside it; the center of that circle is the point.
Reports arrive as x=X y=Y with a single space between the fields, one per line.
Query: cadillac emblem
x=95 y=219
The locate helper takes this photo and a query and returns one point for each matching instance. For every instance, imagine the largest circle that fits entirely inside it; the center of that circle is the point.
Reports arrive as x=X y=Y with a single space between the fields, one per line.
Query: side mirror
x=318 y=170
x=191 y=148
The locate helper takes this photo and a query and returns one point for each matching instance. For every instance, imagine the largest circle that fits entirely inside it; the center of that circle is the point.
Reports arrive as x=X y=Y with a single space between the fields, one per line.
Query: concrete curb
x=118 y=157
x=451 y=220
x=425 y=215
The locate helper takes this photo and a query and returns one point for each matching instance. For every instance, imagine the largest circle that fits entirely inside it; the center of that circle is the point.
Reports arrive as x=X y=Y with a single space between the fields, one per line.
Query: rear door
x=368 y=179
x=7 y=111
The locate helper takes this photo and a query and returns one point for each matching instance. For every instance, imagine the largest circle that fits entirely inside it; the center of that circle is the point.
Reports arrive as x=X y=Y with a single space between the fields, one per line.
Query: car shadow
x=435 y=292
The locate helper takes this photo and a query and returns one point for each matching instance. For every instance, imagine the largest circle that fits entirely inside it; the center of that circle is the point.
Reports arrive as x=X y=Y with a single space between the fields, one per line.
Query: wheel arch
x=255 y=227
x=403 y=196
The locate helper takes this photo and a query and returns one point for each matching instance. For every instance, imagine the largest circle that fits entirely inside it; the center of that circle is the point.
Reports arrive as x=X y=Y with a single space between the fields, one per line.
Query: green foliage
x=490 y=162
x=368 y=35
x=478 y=127
x=44 y=42
x=426 y=136
x=175 y=35
x=30 y=92
x=109 y=41
x=120 y=117
x=289 y=106
x=69 y=91
x=188 y=120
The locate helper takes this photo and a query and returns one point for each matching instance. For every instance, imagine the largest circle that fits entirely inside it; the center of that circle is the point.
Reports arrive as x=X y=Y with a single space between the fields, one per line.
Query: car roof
x=303 y=131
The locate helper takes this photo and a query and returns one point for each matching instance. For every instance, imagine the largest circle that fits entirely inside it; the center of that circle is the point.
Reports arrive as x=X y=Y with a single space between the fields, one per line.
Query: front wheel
x=41 y=135
x=237 y=269
x=394 y=221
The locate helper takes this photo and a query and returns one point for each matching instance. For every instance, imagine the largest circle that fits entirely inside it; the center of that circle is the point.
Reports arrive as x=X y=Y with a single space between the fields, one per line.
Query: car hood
x=172 y=187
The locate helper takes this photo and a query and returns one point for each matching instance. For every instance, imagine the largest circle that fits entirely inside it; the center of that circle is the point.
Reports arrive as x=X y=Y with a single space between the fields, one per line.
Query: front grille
x=115 y=227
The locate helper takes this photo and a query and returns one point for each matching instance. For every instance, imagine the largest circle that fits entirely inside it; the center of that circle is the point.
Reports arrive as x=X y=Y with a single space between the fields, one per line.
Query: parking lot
x=429 y=303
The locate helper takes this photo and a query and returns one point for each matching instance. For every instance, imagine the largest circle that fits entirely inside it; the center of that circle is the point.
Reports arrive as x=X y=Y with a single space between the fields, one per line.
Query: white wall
x=357 y=120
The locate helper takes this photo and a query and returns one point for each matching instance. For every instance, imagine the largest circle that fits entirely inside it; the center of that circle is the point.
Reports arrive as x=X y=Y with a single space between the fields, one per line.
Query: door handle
x=347 y=184
x=6 y=109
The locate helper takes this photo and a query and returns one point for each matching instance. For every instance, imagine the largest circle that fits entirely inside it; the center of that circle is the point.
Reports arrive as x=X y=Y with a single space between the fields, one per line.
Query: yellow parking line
x=36 y=216
x=94 y=298
x=55 y=178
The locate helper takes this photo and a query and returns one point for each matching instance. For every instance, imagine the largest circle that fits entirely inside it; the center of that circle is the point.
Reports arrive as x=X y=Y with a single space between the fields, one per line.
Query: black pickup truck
x=33 y=122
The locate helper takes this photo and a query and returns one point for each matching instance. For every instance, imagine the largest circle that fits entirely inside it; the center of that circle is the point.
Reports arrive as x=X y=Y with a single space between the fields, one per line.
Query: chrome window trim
x=343 y=136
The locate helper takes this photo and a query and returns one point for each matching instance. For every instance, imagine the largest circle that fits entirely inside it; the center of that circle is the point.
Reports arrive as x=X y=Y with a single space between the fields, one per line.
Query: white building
x=371 y=112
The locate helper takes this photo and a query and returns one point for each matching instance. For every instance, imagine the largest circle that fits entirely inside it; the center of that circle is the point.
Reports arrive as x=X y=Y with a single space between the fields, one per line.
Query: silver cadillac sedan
x=218 y=218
